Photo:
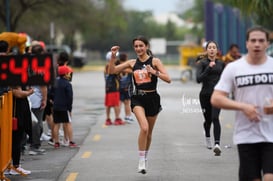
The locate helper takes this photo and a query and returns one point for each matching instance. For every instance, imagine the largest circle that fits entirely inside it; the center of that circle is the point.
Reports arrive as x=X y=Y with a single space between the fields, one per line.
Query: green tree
x=101 y=23
x=196 y=16
x=139 y=23
x=18 y=8
x=196 y=13
x=170 y=30
x=260 y=11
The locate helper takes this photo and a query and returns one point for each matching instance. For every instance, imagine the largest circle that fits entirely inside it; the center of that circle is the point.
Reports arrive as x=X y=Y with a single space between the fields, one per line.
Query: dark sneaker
x=73 y=145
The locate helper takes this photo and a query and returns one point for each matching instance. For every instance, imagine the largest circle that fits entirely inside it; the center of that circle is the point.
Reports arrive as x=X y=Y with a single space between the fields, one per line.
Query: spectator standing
x=48 y=114
x=125 y=81
x=112 y=94
x=22 y=113
x=250 y=78
x=63 y=59
x=232 y=54
x=38 y=103
x=62 y=106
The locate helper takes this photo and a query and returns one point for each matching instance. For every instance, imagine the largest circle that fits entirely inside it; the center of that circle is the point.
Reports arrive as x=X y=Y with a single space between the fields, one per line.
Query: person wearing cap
x=63 y=59
x=62 y=106
x=112 y=94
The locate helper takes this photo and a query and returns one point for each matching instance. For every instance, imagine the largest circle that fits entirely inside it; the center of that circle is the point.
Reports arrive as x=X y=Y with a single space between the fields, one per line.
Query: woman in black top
x=208 y=73
x=145 y=101
x=22 y=113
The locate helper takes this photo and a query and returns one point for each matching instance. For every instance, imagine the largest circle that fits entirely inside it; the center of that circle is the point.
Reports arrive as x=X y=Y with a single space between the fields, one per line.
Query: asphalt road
x=110 y=153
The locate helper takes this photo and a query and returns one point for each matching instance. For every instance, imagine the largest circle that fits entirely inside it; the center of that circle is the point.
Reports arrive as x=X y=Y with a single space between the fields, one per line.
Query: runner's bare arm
x=114 y=69
x=159 y=70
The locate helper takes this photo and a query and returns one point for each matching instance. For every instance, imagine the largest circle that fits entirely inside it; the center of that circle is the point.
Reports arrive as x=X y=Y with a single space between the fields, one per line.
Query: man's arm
x=219 y=99
x=44 y=96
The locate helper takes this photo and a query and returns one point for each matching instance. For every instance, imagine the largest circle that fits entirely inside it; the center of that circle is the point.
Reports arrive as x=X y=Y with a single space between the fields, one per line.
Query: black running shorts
x=150 y=102
x=61 y=116
x=255 y=158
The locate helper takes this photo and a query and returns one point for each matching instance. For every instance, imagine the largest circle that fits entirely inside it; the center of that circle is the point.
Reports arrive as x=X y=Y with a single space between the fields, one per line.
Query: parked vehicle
x=78 y=59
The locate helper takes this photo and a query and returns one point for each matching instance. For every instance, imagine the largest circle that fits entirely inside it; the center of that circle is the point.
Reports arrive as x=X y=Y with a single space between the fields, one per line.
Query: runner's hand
x=150 y=69
x=114 y=50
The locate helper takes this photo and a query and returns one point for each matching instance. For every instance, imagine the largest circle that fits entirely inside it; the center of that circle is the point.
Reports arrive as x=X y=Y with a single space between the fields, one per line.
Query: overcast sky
x=158 y=6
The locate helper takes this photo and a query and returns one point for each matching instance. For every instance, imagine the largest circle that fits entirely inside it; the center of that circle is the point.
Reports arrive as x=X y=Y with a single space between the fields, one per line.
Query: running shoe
x=108 y=122
x=217 y=150
x=36 y=151
x=39 y=150
x=118 y=122
x=7 y=172
x=57 y=145
x=64 y=143
x=208 y=143
x=20 y=170
x=32 y=153
x=44 y=137
x=51 y=142
x=129 y=120
x=73 y=144
x=49 y=132
x=142 y=166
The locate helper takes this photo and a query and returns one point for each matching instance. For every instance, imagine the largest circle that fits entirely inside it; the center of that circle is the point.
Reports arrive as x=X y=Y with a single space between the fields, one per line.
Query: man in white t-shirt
x=251 y=80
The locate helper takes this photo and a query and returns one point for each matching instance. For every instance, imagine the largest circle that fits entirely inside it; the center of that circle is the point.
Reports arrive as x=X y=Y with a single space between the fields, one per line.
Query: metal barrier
x=5 y=132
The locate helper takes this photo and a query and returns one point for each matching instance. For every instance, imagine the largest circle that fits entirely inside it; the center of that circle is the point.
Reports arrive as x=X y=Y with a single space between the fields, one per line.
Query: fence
x=5 y=132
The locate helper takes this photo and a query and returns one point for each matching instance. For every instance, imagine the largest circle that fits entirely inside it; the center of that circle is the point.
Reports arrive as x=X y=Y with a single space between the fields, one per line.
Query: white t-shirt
x=36 y=97
x=251 y=84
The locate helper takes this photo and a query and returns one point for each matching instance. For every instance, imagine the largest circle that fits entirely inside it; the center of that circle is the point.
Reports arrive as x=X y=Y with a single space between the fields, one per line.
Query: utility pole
x=52 y=32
